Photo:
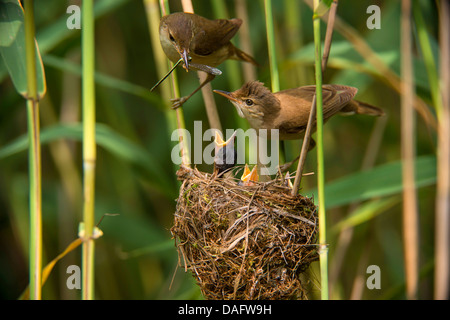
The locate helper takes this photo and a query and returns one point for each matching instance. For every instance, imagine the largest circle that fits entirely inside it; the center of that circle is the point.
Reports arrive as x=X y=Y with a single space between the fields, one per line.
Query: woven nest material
x=244 y=242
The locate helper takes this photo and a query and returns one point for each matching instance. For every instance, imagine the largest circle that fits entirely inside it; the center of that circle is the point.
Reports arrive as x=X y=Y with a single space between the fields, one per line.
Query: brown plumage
x=288 y=110
x=199 y=42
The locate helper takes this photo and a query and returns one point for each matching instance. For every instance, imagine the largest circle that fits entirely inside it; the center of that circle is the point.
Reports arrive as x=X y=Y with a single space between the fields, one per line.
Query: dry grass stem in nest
x=244 y=242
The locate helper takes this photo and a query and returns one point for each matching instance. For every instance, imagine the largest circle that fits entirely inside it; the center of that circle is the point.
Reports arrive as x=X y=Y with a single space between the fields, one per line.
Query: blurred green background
x=135 y=178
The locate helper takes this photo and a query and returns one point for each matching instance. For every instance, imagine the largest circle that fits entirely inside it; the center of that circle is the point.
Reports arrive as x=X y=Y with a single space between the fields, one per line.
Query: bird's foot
x=205 y=68
x=178 y=102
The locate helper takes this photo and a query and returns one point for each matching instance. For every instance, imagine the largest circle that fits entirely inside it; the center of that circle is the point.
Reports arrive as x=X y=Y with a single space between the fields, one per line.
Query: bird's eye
x=249 y=102
x=171 y=37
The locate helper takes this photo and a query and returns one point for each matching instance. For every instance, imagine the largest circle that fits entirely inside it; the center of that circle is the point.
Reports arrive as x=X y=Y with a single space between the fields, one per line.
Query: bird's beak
x=250 y=176
x=220 y=143
x=246 y=173
x=226 y=94
x=185 y=55
x=254 y=174
x=224 y=151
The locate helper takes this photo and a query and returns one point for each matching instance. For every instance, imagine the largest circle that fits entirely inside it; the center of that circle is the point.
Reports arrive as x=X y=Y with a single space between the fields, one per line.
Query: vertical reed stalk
x=89 y=147
x=410 y=214
x=323 y=251
x=174 y=119
x=34 y=157
x=361 y=46
x=427 y=53
x=312 y=115
x=274 y=75
x=210 y=104
x=233 y=69
x=299 y=74
x=442 y=237
x=244 y=36
x=439 y=95
x=346 y=235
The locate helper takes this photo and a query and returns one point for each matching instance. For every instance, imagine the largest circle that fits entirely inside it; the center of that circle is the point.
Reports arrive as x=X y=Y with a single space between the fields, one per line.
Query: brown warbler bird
x=201 y=43
x=288 y=110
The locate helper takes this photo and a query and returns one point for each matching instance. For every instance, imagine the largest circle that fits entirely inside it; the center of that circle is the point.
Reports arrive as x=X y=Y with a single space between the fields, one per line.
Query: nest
x=244 y=242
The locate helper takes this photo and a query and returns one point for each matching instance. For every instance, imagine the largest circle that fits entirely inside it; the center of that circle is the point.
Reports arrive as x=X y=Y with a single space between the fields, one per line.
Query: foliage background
x=136 y=257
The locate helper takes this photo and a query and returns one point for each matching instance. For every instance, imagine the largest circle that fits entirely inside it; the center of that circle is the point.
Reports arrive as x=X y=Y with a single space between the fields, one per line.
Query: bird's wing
x=334 y=97
x=291 y=127
x=215 y=34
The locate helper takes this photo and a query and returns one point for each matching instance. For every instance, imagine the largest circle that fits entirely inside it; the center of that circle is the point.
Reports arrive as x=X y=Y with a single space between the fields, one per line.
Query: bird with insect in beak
x=200 y=43
x=225 y=156
x=248 y=177
x=288 y=110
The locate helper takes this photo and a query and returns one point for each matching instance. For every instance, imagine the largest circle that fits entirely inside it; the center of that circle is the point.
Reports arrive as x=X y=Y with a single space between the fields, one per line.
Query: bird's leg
x=178 y=102
x=285 y=167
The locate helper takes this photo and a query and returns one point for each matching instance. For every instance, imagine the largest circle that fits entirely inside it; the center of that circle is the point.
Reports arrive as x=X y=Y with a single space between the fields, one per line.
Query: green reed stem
x=208 y=98
x=174 y=119
x=34 y=157
x=274 y=75
x=89 y=147
x=428 y=57
x=323 y=252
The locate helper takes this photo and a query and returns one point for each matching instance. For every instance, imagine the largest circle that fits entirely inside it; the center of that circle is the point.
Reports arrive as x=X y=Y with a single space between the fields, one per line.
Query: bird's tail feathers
x=363 y=108
x=241 y=55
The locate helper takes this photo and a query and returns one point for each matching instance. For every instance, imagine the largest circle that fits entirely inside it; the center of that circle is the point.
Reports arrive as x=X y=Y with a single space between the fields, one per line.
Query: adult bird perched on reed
x=201 y=44
x=288 y=110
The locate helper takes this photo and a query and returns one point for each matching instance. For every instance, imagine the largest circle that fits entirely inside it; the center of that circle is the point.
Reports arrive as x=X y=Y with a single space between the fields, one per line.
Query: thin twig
x=305 y=148
x=329 y=34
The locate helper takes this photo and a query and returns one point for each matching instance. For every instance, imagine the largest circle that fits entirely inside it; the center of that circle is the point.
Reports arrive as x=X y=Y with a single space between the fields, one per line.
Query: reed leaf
x=381 y=181
x=12 y=48
x=365 y=213
x=106 y=80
